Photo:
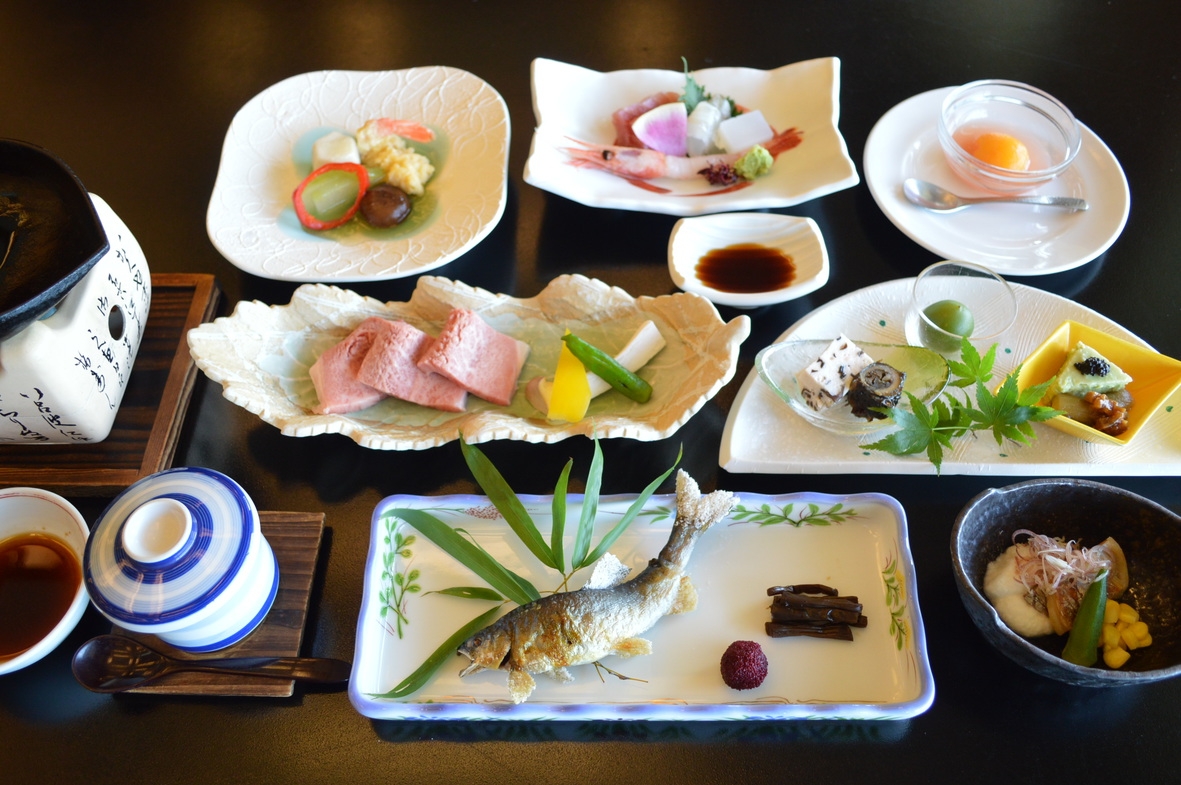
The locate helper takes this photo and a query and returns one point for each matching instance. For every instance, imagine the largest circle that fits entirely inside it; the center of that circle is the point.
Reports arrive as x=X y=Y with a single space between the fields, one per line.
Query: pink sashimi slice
x=664 y=129
x=623 y=118
x=391 y=367
x=334 y=373
x=477 y=357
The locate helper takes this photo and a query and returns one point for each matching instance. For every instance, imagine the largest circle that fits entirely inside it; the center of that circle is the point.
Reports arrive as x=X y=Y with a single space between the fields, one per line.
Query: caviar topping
x=1093 y=366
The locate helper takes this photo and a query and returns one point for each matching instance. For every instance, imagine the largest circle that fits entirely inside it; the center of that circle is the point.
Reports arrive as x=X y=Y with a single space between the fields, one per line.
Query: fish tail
x=695 y=514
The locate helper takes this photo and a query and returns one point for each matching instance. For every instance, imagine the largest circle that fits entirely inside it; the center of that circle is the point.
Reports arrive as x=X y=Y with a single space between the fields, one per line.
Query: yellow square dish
x=1155 y=377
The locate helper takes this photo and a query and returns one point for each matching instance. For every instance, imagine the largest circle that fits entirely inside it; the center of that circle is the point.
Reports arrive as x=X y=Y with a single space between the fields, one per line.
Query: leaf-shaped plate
x=261 y=355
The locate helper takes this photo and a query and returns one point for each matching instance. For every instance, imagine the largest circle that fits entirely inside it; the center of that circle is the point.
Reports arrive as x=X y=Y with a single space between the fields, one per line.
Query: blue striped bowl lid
x=225 y=523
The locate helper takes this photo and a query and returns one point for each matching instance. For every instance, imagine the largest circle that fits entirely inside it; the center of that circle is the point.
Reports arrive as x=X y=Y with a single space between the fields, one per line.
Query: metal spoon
x=931 y=196
x=114 y=663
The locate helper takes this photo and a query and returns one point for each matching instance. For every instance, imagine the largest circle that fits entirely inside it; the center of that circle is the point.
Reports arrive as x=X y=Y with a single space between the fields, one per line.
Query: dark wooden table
x=136 y=97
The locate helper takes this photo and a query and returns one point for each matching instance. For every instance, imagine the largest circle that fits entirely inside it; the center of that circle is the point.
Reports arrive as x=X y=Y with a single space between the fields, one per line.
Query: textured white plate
x=799 y=238
x=251 y=221
x=261 y=354
x=571 y=102
x=764 y=435
x=857 y=544
x=1011 y=239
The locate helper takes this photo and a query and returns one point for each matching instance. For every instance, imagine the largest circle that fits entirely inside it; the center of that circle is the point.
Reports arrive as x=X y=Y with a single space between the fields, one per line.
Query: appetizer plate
x=777 y=365
x=857 y=544
x=575 y=103
x=251 y=220
x=1008 y=238
x=762 y=435
x=261 y=354
x=798 y=238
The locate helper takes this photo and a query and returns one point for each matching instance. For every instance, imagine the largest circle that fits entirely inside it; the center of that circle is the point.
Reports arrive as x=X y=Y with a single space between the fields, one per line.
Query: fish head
x=488 y=649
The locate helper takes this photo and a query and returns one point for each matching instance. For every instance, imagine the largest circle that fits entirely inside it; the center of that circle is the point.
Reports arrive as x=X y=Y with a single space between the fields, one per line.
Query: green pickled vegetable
x=608 y=369
x=1082 y=647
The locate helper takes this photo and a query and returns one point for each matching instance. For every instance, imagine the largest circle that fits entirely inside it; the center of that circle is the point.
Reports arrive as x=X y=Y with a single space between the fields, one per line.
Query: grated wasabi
x=755 y=163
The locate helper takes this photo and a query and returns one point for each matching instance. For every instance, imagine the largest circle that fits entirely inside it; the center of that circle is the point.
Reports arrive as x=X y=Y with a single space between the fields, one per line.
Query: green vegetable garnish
x=1008 y=413
x=1082 y=647
x=608 y=369
x=755 y=163
x=694 y=93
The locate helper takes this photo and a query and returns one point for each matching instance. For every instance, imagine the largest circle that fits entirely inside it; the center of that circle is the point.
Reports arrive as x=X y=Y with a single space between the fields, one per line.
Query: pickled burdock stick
x=803 y=588
x=804 y=601
x=788 y=614
x=840 y=632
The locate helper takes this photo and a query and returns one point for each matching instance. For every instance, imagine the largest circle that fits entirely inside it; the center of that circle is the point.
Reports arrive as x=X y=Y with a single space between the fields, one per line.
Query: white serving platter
x=251 y=221
x=571 y=102
x=261 y=353
x=857 y=544
x=763 y=435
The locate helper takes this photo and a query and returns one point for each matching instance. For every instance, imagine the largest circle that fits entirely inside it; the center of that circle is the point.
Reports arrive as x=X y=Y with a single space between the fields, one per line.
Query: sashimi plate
x=764 y=435
x=267 y=151
x=571 y=102
x=857 y=544
x=261 y=353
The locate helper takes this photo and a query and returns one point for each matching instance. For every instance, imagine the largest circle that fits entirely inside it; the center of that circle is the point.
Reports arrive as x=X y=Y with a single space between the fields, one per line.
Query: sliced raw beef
x=390 y=366
x=623 y=118
x=475 y=356
x=335 y=371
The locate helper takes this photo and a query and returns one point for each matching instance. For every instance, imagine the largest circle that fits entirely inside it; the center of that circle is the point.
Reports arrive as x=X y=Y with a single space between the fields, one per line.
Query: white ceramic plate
x=1010 y=239
x=798 y=238
x=261 y=354
x=763 y=434
x=267 y=152
x=571 y=102
x=857 y=544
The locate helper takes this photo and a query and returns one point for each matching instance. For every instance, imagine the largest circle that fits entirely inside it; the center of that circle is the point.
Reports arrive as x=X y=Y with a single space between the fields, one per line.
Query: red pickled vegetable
x=309 y=221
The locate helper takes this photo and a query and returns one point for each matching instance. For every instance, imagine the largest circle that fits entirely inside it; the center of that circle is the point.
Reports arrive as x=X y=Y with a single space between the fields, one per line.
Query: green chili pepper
x=1082 y=647
x=608 y=369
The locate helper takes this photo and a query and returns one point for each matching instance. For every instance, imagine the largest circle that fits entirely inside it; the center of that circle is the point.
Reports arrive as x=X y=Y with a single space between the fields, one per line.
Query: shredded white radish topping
x=1046 y=565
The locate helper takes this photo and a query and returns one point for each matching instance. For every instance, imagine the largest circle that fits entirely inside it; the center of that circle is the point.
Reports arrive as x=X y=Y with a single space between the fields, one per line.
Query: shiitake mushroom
x=385 y=205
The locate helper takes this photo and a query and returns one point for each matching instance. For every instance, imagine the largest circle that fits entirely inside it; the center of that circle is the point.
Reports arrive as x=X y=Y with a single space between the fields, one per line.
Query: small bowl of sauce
x=42 y=598
x=747 y=260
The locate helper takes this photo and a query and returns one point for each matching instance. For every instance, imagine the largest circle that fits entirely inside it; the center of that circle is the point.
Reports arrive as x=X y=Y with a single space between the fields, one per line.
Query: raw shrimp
x=633 y=163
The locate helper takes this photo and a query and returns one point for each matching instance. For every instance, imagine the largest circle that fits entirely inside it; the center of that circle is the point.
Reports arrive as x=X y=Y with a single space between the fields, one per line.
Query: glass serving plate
x=926 y=376
x=856 y=543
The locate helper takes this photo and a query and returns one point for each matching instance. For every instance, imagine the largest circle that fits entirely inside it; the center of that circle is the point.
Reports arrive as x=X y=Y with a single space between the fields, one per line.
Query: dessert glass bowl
x=1039 y=121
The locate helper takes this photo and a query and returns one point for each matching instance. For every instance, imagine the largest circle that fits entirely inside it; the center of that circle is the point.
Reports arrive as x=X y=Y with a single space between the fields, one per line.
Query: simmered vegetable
x=1082 y=647
x=330 y=196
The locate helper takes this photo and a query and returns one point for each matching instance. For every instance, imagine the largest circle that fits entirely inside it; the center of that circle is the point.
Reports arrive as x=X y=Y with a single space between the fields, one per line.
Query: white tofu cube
x=829 y=377
x=741 y=132
x=334 y=148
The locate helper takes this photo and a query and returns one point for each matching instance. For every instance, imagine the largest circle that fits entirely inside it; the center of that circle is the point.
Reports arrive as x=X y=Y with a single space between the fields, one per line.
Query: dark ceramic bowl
x=50 y=234
x=1088 y=512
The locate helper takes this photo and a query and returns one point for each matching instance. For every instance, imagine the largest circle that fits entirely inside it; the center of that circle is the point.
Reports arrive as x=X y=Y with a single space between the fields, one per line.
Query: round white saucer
x=1010 y=239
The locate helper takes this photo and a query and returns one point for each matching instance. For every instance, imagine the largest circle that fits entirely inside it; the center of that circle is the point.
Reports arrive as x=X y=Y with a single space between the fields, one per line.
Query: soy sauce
x=39 y=576
x=746 y=268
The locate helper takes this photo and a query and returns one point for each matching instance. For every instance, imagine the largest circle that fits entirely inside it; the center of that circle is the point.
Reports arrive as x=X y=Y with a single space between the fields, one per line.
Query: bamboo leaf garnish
x=1007 y=413
x=558 y=531
x=446 y=651
x=502 y=496
x=503 y=580
x=590 y=507
x=469 y=593
x=636 y=506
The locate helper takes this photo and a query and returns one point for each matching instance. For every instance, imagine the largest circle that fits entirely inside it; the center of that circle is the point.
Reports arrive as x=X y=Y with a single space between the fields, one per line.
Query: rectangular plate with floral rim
x=857 y=544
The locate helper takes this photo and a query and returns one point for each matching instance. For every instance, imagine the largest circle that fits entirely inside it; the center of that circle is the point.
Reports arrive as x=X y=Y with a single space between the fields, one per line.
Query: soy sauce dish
x=747 y=260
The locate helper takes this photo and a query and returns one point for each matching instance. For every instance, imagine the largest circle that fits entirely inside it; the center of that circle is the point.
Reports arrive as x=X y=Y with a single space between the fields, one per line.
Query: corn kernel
x=1110 y=612
x=1128 y=613
x=1146 y=641
x=1139 y=629
x=1130 y=640
x=1115 y=658
x=1109 y=636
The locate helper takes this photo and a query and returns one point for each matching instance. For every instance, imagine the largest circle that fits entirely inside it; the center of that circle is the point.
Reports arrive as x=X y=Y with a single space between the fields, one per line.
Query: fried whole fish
x=606 y=615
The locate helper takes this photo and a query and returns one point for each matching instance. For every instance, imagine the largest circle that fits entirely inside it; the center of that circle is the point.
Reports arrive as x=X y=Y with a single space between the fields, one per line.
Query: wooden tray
x=295 y=539
x=144 y=436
